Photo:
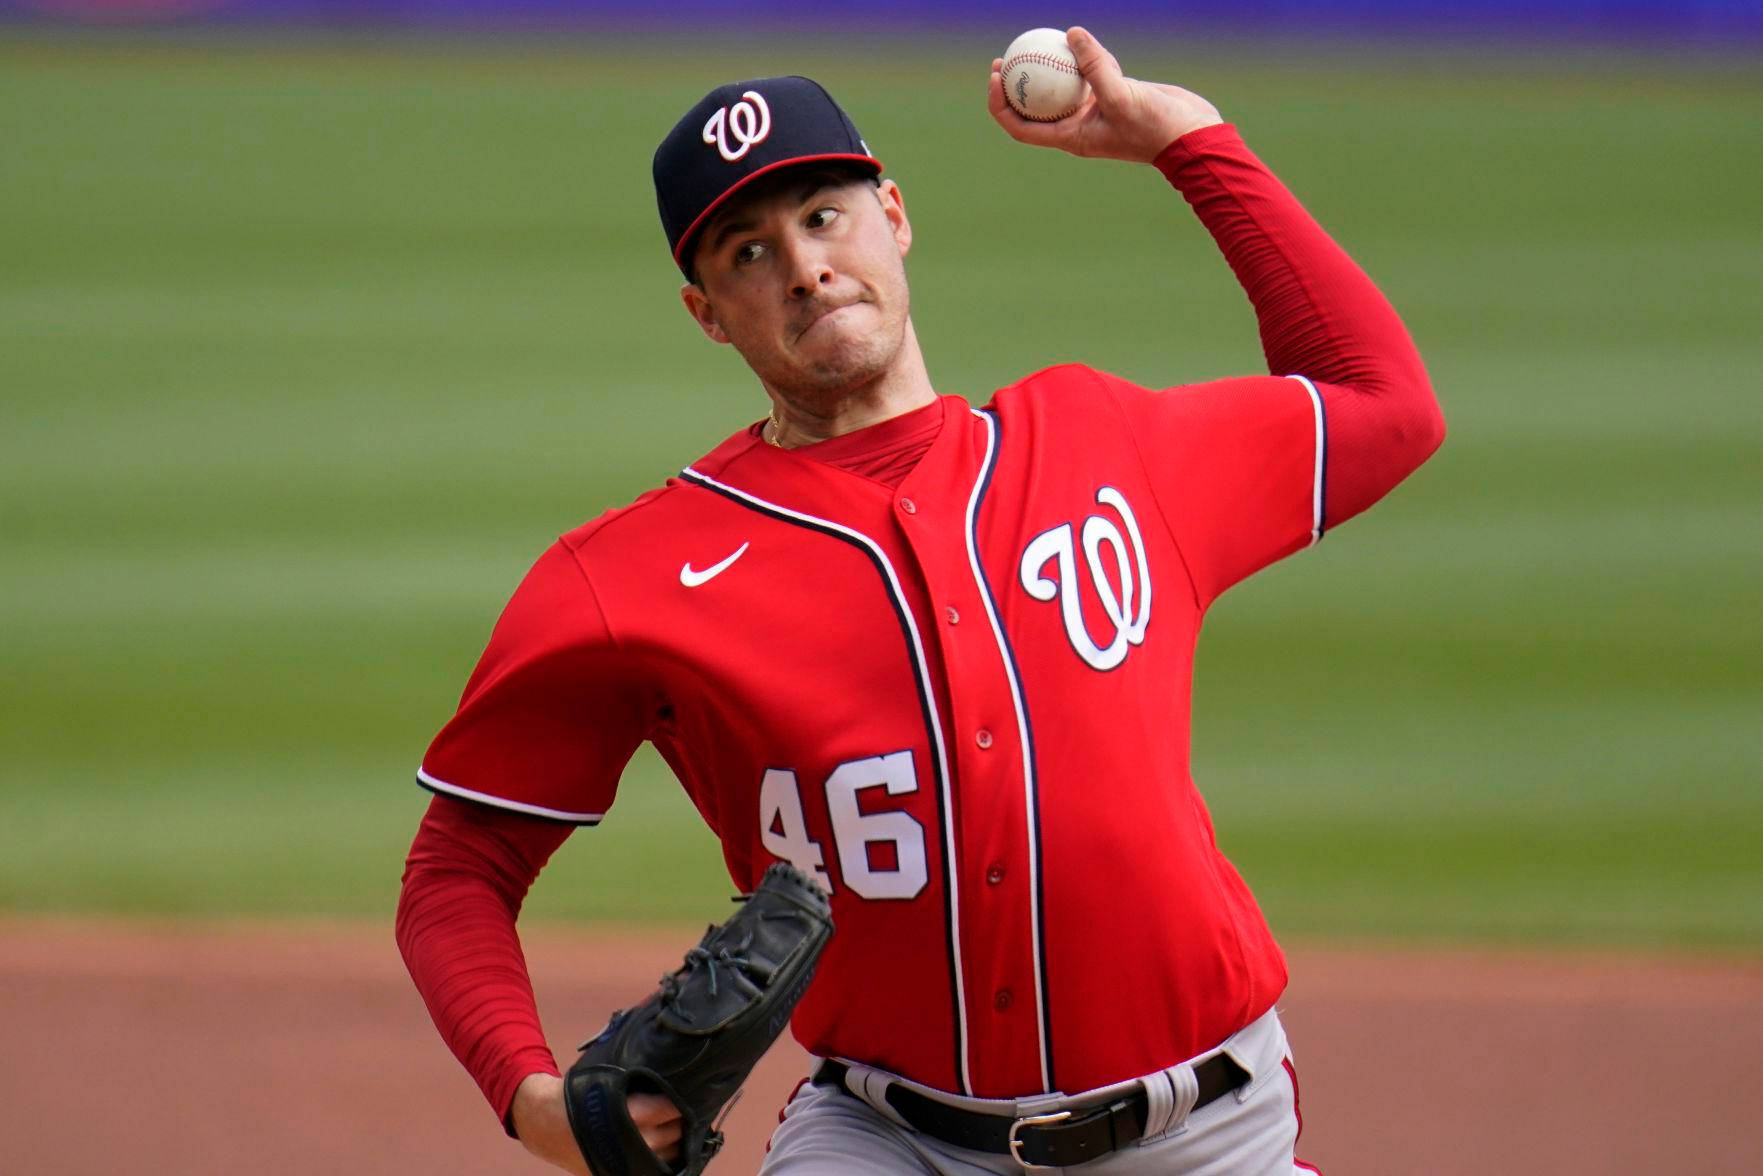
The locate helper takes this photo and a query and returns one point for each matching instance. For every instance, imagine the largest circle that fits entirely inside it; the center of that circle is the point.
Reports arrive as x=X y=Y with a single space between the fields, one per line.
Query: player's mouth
x=824 y=314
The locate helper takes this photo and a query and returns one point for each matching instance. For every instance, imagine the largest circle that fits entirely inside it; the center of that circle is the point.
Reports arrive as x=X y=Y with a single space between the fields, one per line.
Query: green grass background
x=306 y=350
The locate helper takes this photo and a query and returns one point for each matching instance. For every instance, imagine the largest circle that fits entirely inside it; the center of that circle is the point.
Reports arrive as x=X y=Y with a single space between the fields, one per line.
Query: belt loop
x=1034 y=1105
x=1181 y=1089
x=1159 y=1103
x=871 y=1086
x=1257 y=1048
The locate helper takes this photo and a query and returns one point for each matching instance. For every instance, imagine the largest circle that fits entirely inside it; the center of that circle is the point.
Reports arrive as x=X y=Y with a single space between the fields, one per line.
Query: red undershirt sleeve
x=468 y=872
x=1251 y=469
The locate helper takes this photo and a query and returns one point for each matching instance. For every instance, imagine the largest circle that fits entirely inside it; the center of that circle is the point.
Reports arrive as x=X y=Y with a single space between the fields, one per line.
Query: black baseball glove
x=697 y=1038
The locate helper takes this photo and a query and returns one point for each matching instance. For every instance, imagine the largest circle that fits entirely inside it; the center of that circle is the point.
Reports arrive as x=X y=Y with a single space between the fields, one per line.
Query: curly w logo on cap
x=757 y=127
x=748 y=121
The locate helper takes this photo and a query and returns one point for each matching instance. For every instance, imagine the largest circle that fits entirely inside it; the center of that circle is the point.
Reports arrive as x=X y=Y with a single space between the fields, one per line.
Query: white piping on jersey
x=921 y=668
x=532 y=810
x=1030 y=785
x=1321 y=459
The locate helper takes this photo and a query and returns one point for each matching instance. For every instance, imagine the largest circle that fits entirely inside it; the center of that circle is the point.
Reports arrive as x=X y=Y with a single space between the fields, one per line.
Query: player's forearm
x=456 y=930
x=1320 y=314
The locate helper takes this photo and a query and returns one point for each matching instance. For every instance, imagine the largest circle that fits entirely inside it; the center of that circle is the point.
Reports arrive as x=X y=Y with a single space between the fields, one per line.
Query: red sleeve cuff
x=1191 y=146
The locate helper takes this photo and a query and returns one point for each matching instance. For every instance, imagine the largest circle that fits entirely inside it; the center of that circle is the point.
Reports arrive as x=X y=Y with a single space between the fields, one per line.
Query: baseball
x=1040 y=76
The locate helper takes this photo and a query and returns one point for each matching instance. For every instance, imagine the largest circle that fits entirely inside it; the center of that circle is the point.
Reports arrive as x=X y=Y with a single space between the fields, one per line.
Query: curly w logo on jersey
x=747 y=122
x=1098 y=532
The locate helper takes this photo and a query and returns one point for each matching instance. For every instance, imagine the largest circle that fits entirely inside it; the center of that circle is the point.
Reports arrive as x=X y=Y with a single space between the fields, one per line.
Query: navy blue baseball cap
x=737 y=133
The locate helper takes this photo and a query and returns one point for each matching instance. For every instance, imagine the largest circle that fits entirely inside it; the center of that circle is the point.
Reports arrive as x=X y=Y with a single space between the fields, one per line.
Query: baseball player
x=939 y=659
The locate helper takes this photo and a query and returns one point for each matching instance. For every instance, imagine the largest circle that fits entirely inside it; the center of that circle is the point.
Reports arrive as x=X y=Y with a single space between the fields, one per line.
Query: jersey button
x=983 y=737
x=1002 y=1000
x=909 y=506
x=953 y=615
x=995 y=875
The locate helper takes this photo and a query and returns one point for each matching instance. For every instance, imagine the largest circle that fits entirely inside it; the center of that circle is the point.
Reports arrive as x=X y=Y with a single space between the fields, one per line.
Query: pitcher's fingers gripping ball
x=1040 y=75
x=696 y=1039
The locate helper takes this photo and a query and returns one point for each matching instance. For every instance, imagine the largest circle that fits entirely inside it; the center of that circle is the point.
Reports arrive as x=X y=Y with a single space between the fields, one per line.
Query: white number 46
x=862 y=839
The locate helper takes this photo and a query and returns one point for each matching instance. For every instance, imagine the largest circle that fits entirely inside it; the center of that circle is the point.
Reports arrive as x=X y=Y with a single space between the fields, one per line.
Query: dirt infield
x=303 y=1049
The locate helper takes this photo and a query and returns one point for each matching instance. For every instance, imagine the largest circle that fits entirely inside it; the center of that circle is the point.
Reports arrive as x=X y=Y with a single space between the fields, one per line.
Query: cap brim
x=690 y=236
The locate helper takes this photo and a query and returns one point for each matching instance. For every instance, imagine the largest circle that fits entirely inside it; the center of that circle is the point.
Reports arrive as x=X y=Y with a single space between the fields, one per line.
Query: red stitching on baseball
x=1058 y=63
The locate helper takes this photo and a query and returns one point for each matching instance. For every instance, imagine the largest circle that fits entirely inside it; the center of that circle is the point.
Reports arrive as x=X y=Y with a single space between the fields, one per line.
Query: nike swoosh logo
x=691 y=578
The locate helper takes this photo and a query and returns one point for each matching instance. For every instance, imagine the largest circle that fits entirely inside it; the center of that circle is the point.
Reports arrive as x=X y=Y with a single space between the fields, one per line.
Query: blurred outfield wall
x=1724 y=23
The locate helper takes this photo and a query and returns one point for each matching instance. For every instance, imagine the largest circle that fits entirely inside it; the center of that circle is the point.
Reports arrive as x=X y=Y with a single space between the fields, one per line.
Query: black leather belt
x=1061 y=1139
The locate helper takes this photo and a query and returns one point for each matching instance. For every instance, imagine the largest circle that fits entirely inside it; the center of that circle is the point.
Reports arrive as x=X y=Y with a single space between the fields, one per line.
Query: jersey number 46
x=881 y=855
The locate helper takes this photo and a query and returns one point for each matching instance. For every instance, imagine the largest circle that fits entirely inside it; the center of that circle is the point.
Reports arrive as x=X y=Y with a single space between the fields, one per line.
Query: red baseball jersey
x=961 y=703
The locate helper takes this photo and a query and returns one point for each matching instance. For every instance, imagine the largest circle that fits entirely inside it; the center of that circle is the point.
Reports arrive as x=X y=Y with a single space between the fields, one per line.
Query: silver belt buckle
x=1032 y=1121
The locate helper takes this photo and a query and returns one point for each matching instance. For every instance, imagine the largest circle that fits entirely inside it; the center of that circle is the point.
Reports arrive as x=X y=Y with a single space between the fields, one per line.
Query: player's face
x=807 y=281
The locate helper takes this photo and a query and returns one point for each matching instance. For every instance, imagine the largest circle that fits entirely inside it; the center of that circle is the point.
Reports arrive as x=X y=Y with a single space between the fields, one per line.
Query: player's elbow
x=407 y=921
x=1426 y=431
x=1413 y=422
x=421 y=903
x=445 y=873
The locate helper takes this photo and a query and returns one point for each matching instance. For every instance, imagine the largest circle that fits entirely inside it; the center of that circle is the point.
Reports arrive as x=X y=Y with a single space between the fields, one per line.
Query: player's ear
x=698 y=306
x=893 y=203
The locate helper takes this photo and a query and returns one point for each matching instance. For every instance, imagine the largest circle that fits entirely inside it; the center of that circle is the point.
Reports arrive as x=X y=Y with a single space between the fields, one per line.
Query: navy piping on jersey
x=441 y=788
x=927 y=709
x=1031 y=779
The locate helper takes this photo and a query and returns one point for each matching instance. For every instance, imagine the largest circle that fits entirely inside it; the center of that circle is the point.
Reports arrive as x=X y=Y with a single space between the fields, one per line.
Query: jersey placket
x=994 y=859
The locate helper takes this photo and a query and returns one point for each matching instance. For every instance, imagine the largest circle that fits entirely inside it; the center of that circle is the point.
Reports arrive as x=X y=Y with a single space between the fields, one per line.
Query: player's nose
x=810 y=269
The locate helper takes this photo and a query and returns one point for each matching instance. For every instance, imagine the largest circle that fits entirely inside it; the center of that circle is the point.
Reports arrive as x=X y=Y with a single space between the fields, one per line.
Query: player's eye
x=747 y=252
x=820 y=218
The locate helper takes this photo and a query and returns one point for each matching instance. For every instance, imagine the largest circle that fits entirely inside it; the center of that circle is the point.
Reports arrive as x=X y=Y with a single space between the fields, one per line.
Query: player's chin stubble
x=828 y=371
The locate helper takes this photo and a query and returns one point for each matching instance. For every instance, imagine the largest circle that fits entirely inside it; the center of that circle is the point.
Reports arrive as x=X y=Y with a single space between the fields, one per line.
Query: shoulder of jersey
x=1060 y=379
x=635 y=510
x=638 y=524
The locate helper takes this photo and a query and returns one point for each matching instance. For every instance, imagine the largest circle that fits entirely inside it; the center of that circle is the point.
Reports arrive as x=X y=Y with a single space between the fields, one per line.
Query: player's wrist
x=1163 y=115
x=1192 y=145
x=1179 y=113
x=541 y=1123
x=529 y=1098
